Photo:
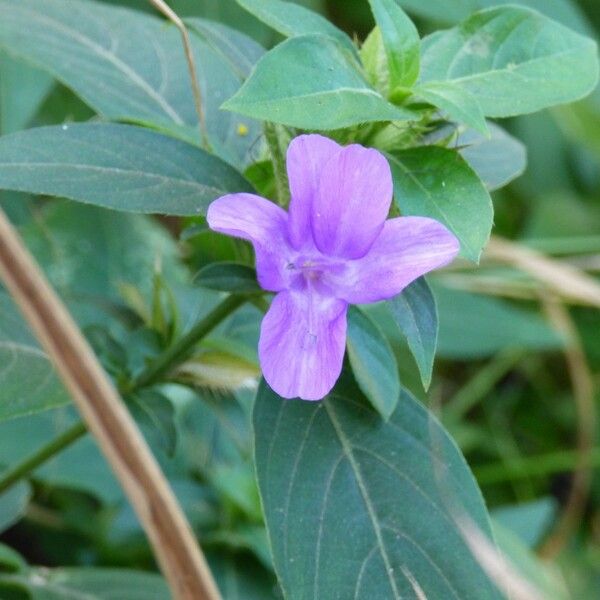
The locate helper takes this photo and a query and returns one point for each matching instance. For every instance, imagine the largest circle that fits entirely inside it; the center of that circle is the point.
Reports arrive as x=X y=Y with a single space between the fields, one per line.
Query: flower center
x=310 y=271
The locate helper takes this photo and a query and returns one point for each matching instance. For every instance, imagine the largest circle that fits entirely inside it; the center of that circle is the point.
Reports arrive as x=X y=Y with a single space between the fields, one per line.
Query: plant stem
x=179 y=351
x=275 y=141
x=151 y=374
x=65 y=439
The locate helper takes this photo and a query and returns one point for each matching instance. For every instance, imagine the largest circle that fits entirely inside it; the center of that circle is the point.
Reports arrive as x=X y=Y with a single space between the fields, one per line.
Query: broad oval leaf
x=28 y=382
x=131 y=66
x=228 y=277
x=373 y=362
x=401 y=41
x=313 y=82
x=415 y=313
x=513 y=60
x=291 y=19
x=359 y=508
x=116 y=166
x=437 y=182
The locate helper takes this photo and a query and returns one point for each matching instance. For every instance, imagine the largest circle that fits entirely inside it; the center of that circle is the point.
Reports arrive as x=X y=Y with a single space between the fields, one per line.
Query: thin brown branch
x=583 y=392
x=168 y=12
x=178 y=554
x=564 y=280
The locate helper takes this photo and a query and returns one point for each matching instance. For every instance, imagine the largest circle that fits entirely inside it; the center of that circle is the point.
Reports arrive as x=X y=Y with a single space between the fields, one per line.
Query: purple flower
x=332 y=249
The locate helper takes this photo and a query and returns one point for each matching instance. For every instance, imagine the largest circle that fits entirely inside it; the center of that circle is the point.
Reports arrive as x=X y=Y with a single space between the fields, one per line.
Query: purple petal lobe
x=261 y=222
x=302 y=342
x=352 y=202
x=407 y=248
x=306 y=157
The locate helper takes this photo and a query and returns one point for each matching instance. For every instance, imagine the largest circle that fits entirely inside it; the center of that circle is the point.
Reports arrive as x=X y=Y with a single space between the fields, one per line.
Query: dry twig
x=107 y=418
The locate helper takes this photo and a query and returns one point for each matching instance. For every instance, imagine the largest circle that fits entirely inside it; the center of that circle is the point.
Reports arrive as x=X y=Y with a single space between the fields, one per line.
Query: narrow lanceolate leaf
x=401 y=41
x=313 y=82
x=28 y=383
x=373 y=362
x=437 y=182
x=512 y=60
x=359 y=508
x=415 y=313
x=457 y=103
x=291 y=19
x=13 y=503
x=130 y=66
x=116 y=166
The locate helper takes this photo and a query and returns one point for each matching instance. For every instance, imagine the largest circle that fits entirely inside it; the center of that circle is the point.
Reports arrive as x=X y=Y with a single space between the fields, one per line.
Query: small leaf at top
x=401 y=41
x=458 y=103
x=291 y=19
x=312 y=82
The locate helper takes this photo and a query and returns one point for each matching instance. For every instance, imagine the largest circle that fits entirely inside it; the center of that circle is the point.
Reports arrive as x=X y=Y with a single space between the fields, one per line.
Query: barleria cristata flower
x=333 y=248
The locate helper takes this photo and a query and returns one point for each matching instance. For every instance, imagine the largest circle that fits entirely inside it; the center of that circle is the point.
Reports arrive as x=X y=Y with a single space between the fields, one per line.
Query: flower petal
x=352 y=202
x=306 y=157
x=302 y=342
x=261 y=222
x=407 y=248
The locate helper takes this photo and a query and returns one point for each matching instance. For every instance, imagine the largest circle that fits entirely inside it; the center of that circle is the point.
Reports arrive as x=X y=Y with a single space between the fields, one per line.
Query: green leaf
x=10 y=560
x=437 y=182
x=291 y=19
x=155 y=415
x=497 y=159
x=401 y=42
x=474 y=326
x=312 y=82
x=458 y=104
x=359 y=508
x=415 y=313
x=373 y=362
x=529 y=521
x=228 y=277
x=88 y=584
x=512 y=60
x=28 y=382
x=22 y=90
x=242 y=578
x=131 y=66
x=116 y=166
x=375 y=63
x=13 y=503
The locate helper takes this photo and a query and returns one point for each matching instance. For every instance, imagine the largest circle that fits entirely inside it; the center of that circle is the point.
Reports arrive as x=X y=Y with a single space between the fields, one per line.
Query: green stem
x=276 y=144
x=181 y=349
x=40 y=456
x=153 y=373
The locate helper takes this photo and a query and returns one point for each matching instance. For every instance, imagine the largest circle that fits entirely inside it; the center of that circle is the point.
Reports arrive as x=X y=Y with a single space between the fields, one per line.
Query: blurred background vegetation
x=512 y=381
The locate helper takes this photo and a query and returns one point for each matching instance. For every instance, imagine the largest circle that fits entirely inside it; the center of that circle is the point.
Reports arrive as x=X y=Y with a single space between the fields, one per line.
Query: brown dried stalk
x=168 y=12
x=178 y=554
x=583 y=392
